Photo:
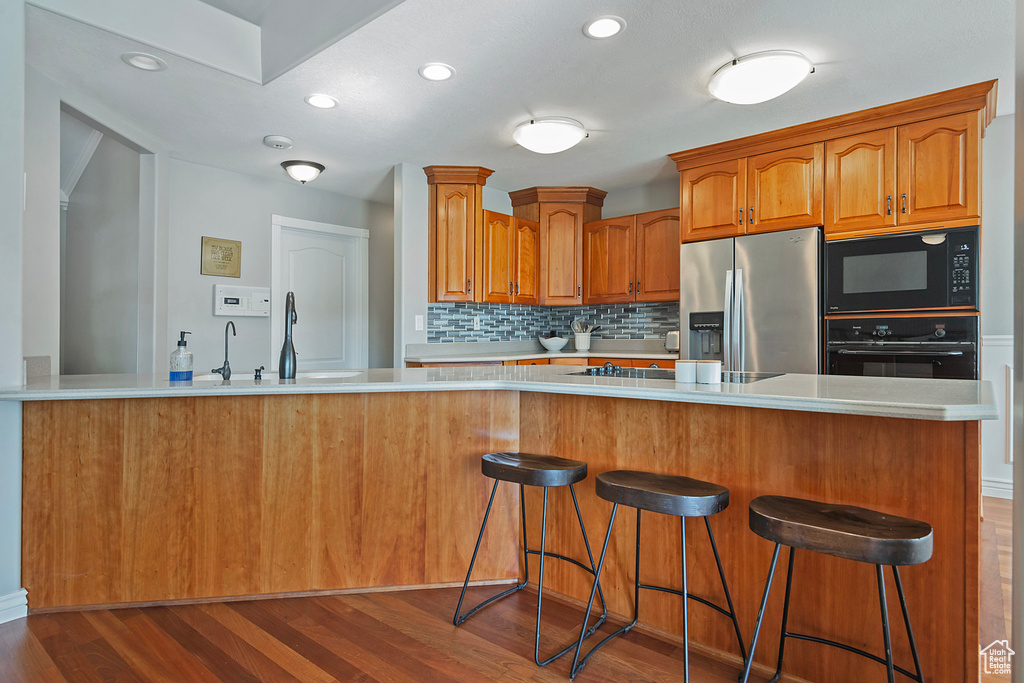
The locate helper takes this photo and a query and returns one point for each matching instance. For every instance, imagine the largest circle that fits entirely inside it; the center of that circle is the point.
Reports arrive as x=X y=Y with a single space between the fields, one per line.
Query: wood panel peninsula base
x=130 y=500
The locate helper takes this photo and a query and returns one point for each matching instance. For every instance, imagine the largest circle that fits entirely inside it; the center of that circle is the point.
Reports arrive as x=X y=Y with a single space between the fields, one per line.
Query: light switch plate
x=419 y=323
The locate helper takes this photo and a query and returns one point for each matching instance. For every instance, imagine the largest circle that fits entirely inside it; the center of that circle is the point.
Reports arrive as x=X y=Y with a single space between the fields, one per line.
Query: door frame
x=279 y=223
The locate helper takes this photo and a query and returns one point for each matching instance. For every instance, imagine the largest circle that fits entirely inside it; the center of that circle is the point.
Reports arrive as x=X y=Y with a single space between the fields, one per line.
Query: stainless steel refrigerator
x=753 y=302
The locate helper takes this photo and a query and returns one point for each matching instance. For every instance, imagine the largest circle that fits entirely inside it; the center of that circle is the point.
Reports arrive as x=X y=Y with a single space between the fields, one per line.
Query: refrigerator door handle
x=727 y=324
x=737 y=323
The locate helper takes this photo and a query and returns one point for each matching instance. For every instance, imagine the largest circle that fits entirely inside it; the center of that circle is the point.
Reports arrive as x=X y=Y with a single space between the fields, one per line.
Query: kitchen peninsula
x=136 y=491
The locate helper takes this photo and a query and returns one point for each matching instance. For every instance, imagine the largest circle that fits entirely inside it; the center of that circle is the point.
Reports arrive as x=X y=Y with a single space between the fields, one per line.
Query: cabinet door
x=535 y=361
x=860 y=182
x=651 y=363
x=561 y=253
x=785 y=188
x=939 y=169
x=526 y=271
x=712 y=200
x=497 y=258
x=456 y=212
x=608 y=258
x=657 y=256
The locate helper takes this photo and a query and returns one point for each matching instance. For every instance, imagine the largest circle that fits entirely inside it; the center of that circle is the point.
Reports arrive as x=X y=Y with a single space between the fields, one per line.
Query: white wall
x=12 y=130
x=215 y=203
x=997 y=297
x=99 y=321
x=662 y=194
x=410 y=211
x=41 y=334
x=382 y=286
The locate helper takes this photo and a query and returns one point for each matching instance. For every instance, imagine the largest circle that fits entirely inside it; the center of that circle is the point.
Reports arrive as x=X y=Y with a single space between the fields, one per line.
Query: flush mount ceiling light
x=436 y=71
x=604 y=27
x=549 y=134
x=321 y=101
x=303 y=171
x=146 y=62
x=759 y=77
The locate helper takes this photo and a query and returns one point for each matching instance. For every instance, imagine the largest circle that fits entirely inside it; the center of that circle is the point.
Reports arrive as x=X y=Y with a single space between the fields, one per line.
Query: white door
x=326 y=266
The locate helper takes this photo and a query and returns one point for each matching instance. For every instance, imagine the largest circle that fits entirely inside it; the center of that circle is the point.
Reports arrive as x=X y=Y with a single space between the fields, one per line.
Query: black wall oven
x=917 y=271
x=940 y=347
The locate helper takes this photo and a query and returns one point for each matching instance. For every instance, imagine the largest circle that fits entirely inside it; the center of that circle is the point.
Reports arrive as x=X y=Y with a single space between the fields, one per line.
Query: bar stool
x=528 y=469
x=671 y=495
x=845 y=531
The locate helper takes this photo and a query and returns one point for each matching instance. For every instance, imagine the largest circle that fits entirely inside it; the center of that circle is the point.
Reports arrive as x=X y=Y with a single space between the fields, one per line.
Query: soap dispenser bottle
x=181 y=362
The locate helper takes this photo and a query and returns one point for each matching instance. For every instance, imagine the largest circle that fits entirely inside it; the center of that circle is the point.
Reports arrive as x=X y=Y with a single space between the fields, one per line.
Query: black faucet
x=225 y=370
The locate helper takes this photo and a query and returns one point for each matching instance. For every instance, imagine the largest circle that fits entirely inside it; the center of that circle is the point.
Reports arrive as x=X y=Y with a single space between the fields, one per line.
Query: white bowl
x=554 y=343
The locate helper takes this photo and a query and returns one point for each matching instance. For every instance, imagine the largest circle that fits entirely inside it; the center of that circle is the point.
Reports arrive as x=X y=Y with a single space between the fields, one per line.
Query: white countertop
x=493 y=358
x=922 y=399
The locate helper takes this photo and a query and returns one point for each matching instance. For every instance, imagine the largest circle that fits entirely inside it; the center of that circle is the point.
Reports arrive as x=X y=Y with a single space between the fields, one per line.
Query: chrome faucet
x=286 y=368
x=225 y=370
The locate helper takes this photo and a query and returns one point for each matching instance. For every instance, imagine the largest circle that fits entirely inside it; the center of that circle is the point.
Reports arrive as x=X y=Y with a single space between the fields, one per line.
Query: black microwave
x=917 y=271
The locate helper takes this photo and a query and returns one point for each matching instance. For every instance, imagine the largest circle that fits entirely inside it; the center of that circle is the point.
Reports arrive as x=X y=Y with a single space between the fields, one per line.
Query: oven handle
x=882 y=352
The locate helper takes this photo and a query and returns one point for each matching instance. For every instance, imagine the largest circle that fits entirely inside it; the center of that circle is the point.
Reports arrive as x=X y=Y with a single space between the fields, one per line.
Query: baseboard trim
x=14 y=606
x=997 y=488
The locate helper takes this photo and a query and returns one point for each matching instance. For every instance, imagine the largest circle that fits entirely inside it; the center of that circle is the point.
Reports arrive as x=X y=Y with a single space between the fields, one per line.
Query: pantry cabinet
x=632 y=258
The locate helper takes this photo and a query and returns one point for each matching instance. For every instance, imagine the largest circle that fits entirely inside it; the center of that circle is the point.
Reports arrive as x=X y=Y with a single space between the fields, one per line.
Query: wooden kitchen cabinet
x=632 y=258
x=939 y=169
x=510 y=259
x=560 y=213
x=652 y=363
x=567 y=361
x=712 y=199
x=535 y=361
x=771 y=191
x=609 y=260
x=657 y=256
x=455 y=221
x=923 y=172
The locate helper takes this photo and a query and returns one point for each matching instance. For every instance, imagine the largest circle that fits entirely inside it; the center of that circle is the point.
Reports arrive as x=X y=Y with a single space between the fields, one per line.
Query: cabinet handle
x=741 y=216
x=654 y=365
x=630 y=286
x=888 y=205
x=579 y=291
x=510 y=291
x=904 y=202
x=637 y=286
x=750 y=216
x=517 y=288
x=469 y=286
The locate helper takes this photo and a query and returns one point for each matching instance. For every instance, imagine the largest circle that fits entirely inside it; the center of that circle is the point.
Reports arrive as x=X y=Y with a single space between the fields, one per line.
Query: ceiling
x=642 y=94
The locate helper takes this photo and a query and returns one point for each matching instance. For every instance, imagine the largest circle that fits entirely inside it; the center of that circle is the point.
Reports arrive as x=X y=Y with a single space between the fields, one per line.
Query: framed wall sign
x=221 y=257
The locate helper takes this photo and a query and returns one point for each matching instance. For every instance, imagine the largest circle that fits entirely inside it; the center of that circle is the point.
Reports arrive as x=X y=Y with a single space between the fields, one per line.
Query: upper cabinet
x=771 y=191
x=908 y=165
x=632 y=258
x=560 y=213
x=923 y=172
x=455 y=222
x=510 y=259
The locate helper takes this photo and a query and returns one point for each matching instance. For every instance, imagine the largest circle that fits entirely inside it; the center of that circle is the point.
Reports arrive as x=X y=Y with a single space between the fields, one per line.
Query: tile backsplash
x=515 y=322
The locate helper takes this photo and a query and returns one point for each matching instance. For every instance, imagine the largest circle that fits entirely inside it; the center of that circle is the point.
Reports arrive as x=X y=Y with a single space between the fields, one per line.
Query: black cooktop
x=659 y=373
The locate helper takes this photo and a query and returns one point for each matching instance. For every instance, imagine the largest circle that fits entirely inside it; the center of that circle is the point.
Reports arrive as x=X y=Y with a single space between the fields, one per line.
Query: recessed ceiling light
x=549 y=134
x=604 y=27
x=146 y=62
x=436 y=71
x=321 y=101
x=759 y=77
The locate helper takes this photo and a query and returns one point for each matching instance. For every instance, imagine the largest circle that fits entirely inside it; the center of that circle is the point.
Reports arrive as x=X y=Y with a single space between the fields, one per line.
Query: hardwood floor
x=401 y=636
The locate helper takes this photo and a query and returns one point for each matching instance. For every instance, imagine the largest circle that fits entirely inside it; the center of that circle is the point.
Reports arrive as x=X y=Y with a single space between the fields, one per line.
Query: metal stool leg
x=906 y=620
x=540 y=582
x=725 y=587
x=593 y=567
x=885 y=624
x=760 y=617
x=785 y=617
x=686 y=606
x=576 y=663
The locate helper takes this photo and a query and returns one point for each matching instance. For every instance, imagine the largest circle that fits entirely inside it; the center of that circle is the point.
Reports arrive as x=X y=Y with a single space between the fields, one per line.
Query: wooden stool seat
x=530 y=469
x=853 y=533
x=665 y=493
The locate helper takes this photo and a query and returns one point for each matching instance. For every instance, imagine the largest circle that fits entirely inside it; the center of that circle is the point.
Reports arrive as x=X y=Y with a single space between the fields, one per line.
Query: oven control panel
x=963 y=269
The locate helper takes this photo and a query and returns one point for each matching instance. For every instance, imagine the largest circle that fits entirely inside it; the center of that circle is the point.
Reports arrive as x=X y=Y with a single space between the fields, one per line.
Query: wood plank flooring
x=401 y=636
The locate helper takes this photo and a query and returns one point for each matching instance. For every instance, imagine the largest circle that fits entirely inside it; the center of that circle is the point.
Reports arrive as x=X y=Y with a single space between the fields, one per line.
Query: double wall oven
x=903 y=305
